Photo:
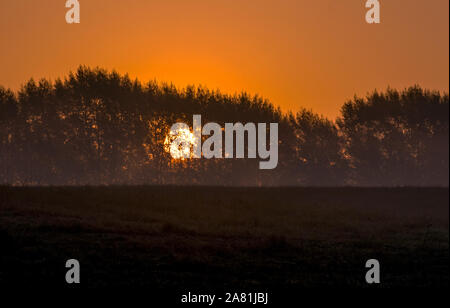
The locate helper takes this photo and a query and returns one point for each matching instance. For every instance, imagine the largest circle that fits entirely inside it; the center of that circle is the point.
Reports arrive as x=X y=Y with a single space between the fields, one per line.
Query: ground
x=190 y=238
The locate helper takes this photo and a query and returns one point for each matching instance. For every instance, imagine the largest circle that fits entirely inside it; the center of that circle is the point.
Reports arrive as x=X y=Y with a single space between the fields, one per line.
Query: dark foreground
x=203 y=238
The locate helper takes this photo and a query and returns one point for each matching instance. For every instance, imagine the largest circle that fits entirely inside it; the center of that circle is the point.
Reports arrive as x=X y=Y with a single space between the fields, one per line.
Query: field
x=182 y=238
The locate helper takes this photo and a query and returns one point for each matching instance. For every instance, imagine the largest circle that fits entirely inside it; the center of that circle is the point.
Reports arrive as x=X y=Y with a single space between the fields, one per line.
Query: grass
x=213 y=237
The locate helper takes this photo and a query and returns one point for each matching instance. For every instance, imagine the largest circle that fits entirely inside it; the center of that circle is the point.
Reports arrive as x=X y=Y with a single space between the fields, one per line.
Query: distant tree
x=318 y=157
x=100 y=127
x=8 y=115
x=397 y=138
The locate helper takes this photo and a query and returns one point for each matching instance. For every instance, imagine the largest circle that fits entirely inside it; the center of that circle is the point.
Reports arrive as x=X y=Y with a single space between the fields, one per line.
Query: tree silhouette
x=97 y=127
x=397 y=138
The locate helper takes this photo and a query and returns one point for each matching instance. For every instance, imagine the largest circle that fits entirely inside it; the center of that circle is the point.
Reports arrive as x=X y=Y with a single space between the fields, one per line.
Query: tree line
x=97 y=127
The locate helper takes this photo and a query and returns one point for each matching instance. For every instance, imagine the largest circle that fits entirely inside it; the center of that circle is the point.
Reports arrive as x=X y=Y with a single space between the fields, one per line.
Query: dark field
x=183 y=238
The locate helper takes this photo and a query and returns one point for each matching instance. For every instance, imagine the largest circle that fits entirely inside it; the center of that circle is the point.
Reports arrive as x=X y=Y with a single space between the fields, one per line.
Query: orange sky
x=314 y=54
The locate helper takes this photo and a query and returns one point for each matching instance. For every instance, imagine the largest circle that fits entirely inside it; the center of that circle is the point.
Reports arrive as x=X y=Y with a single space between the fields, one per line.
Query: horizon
x=145 y=83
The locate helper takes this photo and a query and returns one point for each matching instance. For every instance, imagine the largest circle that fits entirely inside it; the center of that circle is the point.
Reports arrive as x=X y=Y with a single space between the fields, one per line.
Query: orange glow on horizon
x=296 y=53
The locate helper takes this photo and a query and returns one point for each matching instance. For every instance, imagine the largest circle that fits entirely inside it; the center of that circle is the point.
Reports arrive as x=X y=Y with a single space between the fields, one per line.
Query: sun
x=175 y=149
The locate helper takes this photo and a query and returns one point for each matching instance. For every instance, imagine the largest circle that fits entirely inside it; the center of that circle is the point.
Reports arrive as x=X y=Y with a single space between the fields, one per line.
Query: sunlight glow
x=176 y=150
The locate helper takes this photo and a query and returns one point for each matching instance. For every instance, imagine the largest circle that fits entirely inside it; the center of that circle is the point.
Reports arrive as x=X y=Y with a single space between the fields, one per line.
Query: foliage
x=97 y=128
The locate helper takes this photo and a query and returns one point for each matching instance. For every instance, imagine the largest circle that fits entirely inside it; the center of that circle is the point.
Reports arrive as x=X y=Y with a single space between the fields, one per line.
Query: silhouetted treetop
x=100 y=127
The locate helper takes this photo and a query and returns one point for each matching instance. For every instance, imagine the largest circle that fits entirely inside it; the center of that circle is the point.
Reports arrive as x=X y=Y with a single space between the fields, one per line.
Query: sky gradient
x=313 y=54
